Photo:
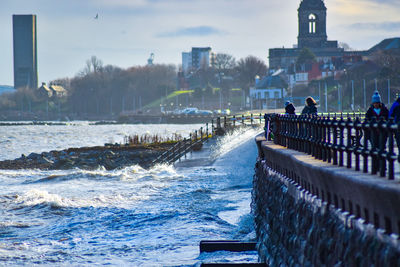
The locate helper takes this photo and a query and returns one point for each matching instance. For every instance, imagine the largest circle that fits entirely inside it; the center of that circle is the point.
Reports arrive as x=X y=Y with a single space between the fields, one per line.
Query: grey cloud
x=191 y=31
x=388 y=2
x=387 y=26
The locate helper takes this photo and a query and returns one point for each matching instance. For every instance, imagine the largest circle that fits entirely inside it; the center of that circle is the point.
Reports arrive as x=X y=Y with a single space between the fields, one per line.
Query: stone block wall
x=295 y=228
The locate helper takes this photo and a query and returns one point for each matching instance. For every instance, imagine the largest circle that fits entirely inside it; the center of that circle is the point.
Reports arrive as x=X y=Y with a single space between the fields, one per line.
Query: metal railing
x=196 y=139
x=338 y=140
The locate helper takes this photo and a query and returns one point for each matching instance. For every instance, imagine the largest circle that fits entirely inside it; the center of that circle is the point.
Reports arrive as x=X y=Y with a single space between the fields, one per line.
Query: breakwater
x=308 y=212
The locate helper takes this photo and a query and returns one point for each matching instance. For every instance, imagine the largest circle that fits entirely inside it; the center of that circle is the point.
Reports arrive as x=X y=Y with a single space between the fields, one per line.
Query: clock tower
x=312 y=24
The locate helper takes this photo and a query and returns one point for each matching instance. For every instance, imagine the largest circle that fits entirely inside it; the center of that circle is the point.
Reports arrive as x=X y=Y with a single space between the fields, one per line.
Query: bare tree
x=92 y=65
x=224 y=62
x=345 y=46
x=248 y=68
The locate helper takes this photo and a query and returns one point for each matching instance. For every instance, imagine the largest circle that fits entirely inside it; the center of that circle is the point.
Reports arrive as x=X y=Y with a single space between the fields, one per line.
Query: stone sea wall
x=295 y=228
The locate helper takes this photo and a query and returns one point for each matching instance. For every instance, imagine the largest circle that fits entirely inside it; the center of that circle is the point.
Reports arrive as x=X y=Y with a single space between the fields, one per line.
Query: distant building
x=6 y=89
x=186 y=61
x=44 y=91
x=25 y=51
x=312 y=35
x=58 y=90
x=268 y=92
x=387 y=44
x=54 y=91
x=198 y=58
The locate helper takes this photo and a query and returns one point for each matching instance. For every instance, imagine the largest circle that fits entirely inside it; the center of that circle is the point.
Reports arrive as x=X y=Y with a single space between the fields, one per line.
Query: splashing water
x=131 y=216
x=234 y=139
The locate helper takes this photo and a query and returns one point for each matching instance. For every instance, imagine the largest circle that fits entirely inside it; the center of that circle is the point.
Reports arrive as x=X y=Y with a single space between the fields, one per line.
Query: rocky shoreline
x=109 y=156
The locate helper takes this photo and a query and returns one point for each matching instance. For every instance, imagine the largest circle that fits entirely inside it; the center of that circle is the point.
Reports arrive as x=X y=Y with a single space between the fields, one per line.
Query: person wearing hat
x=378 y=110
x=289 y=108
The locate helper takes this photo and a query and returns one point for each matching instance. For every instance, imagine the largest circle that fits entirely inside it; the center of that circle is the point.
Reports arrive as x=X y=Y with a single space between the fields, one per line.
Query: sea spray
x=233 y=139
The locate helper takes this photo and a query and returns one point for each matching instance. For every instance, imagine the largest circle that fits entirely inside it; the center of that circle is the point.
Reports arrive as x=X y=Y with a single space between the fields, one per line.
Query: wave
x=130 y=173
x=232 y=140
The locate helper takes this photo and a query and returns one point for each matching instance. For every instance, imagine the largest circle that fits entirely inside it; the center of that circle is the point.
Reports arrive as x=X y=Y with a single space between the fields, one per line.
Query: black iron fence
x=342 y=141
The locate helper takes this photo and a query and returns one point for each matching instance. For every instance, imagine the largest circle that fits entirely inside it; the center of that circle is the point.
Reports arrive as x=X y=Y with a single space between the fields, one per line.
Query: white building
x=268 y=92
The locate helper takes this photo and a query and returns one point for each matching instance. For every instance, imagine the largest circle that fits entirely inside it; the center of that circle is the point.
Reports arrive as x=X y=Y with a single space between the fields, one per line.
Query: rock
x=63 y=164
x=46 y=160
x=33 y=156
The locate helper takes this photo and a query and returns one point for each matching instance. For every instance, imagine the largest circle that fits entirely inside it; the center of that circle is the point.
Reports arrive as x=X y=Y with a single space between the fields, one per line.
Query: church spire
x=312 y=24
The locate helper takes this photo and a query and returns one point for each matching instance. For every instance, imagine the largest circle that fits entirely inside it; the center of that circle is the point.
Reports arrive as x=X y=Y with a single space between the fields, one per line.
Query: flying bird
x=97 y=16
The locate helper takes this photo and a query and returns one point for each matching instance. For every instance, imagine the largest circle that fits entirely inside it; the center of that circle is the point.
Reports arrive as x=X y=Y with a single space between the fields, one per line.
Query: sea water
x=125 y=217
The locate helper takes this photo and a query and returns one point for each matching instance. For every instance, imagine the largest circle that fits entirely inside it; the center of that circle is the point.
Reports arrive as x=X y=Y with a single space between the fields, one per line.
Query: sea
x=125 y=217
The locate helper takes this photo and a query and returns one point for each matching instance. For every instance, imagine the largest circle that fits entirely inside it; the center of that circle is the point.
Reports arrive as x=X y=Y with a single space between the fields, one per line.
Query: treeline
x=108 y=89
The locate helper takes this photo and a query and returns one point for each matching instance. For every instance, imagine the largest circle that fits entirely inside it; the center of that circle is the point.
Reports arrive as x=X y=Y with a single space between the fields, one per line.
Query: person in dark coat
x=311 y=107
x=395 y=110
x=378 y=110
x=289 y=108
x=395 y=114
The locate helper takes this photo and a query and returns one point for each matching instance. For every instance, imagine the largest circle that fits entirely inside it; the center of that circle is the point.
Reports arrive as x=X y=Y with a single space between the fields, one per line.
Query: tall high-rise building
x=198 y=58
x=25 y=51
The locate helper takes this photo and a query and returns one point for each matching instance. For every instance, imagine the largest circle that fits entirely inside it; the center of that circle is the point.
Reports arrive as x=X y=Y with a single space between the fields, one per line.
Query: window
x=276 y=94
x=312 y=20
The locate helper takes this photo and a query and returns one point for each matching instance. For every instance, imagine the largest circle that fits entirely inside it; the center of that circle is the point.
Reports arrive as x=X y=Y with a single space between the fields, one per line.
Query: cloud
x=191 y=31
x=388 y=26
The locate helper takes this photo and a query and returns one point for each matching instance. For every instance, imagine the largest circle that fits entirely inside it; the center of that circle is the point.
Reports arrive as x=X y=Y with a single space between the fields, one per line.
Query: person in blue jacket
x=395 y=113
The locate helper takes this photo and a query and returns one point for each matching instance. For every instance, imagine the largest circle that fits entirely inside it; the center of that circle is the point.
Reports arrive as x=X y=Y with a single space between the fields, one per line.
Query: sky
x=128 y=31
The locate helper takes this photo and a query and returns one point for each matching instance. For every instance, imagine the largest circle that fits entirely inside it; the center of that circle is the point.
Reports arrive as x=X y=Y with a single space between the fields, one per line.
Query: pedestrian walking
x=289 y=108
x=310 y=108
x=395 y=114
x=379 y=111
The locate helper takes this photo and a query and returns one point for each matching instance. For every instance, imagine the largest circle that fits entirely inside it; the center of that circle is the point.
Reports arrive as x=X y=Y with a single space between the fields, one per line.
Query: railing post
x=375 y=145
x=357 y=150
x=392 y=129
x=335 y=144
x=382 y=155
x=366 y=152
x=184 y=146
x=329 y=138
x=190 y=143
x=324 y=146
x=342 y=148
x=349 y=148
x=266 y=126
x=218 y=122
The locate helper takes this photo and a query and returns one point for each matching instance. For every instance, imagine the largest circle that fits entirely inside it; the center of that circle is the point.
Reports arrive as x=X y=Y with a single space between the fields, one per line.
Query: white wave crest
x=37 y=197
x=233 y=139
